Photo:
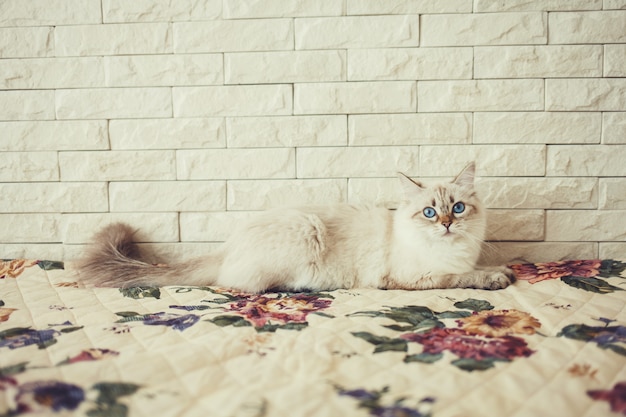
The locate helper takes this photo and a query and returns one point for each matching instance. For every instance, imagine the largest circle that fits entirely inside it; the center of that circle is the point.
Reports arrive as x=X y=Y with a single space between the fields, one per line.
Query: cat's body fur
x=327 y=247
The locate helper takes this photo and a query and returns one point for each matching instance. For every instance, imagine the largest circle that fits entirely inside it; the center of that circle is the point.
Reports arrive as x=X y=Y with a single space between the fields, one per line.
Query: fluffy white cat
x=432 y=240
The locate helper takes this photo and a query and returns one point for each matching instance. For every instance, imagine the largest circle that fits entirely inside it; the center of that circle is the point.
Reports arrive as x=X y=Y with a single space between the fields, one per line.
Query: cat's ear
x=466 y=177
x=409 y=186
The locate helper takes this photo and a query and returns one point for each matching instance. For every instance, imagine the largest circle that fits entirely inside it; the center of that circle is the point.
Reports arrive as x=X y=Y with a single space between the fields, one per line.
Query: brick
x=615 y=60
x=591 y=160
x=518 y=225
x=539 y=193
x=51 y=197
x=149 y=196
x=588 y=27
x=480 y=95
x=601 y=225
x=53 y=12
x=500 y=253
x=357 y=32
x=496 y=193
x=382 y=192
x=163 y=70
x=410 y=129
x=548 y=127
x=29 y=166
x=167 y=133
x=484 y=29
x=510 y=160
x=26 y=42
x=607 y=94
x=613 y=128
x=151 y=227
x=242 y=9
x=27 y=105
x=284 y=67
x=233 y=35
x=236 y=163
x=366 y=97
x=210 y=227
x=375 y=7
x=53 y=135
x=51 y=73
x=357 y=162
x=613 y=193
x=111 y=103
x=160 y=10
x=410 y=64
x=287 y=131
x=113 y=39
x=538 y=61
x=34 y=250
x=614 y=4
x=611 y=250
x=233 y=100
x=481 y=6
x=262 y=195
x=22 y=228
x=117 y=165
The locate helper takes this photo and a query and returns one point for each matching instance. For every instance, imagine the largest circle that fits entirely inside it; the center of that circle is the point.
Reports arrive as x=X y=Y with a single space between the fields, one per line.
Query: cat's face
x=445 y=211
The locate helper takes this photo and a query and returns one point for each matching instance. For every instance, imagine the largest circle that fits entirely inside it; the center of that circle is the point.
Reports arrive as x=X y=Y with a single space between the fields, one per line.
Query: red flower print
x=616 y=397
x=260 y=309
x=91 y=355
x=469 y=346
x=552 y=270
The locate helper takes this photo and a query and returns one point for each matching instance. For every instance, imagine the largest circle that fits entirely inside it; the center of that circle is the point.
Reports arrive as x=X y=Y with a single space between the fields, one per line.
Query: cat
x=432 y=240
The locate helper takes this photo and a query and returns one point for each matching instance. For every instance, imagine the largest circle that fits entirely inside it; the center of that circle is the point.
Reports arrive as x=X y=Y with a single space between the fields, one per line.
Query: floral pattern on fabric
x=89 y=355
x=19 y=337
x=377 y=405
x=70 y=350
x=589 y=275
x=44 y=397
x=538 y=272
x=178 y=322
x=13 y=268
x=270 y=311
x=5 y=313
x=474 y=352
x=478 y=341
x=264 y=312
x=616 y=397
x=606 y=337
x=499 y=323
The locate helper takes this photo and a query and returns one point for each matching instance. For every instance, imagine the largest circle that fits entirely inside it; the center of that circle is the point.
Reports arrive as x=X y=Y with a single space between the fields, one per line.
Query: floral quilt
x=553 y=344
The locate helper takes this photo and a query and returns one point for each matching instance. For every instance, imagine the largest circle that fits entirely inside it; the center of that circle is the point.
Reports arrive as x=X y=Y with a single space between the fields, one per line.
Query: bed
x=553 y=344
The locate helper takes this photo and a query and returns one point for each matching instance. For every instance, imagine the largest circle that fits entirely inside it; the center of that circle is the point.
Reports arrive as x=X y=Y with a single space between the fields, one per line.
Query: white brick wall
x=185 y=117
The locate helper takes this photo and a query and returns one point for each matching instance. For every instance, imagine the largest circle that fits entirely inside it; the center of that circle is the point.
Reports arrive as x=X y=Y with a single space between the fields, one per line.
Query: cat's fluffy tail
x=113 y=261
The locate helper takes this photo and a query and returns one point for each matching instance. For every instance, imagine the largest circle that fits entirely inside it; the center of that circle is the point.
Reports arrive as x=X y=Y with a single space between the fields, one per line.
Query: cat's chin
x=446 y=236
x=447 y=233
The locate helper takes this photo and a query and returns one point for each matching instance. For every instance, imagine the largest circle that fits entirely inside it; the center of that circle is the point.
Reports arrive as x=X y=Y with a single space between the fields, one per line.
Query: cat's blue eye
x=458 y=208
x=429 y=212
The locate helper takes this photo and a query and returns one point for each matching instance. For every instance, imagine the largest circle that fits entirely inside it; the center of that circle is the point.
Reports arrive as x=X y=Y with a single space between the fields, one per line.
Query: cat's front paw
x=499 y=278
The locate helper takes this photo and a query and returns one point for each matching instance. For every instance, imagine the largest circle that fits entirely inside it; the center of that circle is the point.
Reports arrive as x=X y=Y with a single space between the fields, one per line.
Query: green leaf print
x=595 y=285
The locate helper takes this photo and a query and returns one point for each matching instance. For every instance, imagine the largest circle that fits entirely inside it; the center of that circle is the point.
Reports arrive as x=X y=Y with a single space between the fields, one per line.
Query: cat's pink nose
x=447 y=224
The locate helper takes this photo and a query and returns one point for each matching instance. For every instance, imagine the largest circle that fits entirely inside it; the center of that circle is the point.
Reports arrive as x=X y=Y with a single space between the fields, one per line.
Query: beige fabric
x=211 y=352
